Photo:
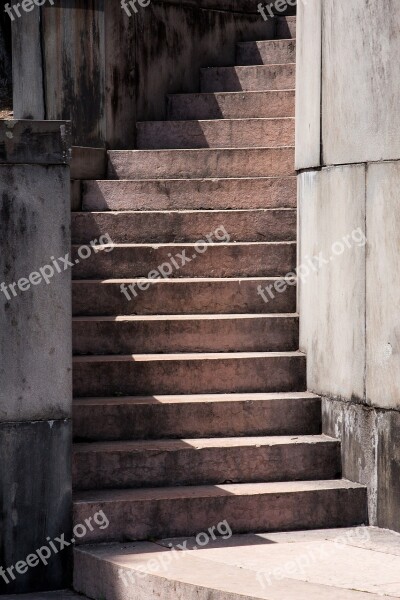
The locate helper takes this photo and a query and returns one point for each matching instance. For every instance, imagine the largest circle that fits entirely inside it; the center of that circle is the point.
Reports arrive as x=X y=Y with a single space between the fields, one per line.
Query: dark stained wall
x=87 y=61
x=5 y=58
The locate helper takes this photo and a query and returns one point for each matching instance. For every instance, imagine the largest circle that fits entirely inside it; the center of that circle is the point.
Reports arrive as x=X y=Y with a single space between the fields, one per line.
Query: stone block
x=308 y=84
x=360 y=81
x=35 y=500
x=383 y=286
x=35 y=321
x=332 y=293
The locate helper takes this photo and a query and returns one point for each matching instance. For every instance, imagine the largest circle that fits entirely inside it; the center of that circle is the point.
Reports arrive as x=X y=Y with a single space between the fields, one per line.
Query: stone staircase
x=190 y=396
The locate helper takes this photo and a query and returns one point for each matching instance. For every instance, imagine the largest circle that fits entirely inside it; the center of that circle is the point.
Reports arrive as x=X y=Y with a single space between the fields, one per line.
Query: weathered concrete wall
x=35 y=350
x=331 y=208
x=5 y=58
x=350 y=308
x=110 y=70
x=308 y=83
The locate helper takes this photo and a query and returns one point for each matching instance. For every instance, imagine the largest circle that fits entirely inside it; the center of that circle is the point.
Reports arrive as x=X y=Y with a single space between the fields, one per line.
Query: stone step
x=247 y=507
x=254 y=225
x=248 y=79
x=217 y=133
x=285 y=28
x=204 y=461
x=233 y=259
x=178 y=194
x=232 y=105
x=211 y=373
x=201 y=163
x=355 y=563
x=271 y=52
x=183 y=296
x=223 y=415
x=185 y=333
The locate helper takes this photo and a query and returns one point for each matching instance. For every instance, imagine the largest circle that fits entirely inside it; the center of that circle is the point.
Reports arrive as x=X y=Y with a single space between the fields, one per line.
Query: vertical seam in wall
x=365 y=280
x=321 y=142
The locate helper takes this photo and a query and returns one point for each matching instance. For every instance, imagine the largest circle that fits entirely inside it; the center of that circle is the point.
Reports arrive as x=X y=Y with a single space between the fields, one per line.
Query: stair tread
x=199 y=150
x=195 y=398
x=250 y=67
x=267 y=42
x=190 y=244
x=189 y=317
x=184 y=356
x=215 y=121
x=167 y=445
x=210 y=491
x=184 y=211
x=180 y=181
x=180 y=280
x=239 y=93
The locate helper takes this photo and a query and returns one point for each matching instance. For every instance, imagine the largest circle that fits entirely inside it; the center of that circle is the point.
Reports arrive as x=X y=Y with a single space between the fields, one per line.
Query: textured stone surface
x=383 y=289
x=198 y=164
x=174 y=194
x=232 y=259
x=359 y=66
x=232 y=105
x=255 y=507
x=180 y=296
x=88 y=163
x=185 y=225
x=338 y=564
x=193 y=333
x=204 y=461
x=271 y=52
x=35 y=142
x=35 y=492
x=196 y=416
x=370 y=440
x=308 y=85
x=35 y=337
x=221 y=133
x=84 y=73
x=248 y=79
x=148 y=374
x=332 y=298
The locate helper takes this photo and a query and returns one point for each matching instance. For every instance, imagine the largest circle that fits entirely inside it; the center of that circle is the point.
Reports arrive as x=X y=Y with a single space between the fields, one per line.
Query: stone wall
x=5 y=60
x=348 y=157
x=35 y=352
x=110 y=70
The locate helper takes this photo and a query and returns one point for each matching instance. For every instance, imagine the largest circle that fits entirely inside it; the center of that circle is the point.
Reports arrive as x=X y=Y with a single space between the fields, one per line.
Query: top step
x=271 y=52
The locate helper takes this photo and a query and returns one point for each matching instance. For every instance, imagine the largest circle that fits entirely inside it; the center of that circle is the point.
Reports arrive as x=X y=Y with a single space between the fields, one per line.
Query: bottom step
x=257 y=507
x=360 y=563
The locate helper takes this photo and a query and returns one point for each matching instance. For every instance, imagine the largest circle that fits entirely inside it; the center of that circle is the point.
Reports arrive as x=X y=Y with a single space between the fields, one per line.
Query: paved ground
x=344 y=564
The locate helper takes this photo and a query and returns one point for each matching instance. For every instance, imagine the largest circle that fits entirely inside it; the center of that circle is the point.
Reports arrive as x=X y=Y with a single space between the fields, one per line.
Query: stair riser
x=285 y=28
x=266 y=53
x=207 y=466
x=208 y=376
x=232 y=106
x=319 y=509
x=174 y=297
x=195 y=420
x=250 y=335
x=219 y=260
x=241 y=133
x=248 y=79
x=187 y=164
x=178 y=194
x=169 y=227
